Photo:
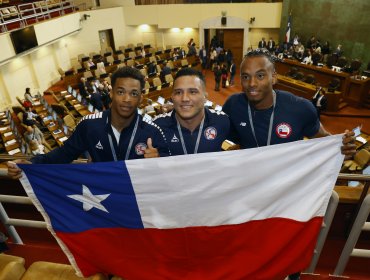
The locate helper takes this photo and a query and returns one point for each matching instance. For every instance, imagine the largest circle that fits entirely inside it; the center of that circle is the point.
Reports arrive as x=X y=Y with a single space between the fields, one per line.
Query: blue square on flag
x=76 y=202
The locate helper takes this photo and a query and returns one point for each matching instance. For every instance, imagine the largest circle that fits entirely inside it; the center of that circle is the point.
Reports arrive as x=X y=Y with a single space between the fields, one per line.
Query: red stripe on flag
x=266 y=249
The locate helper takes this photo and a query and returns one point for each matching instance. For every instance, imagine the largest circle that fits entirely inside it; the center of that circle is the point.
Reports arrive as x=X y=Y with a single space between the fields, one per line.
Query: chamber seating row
x=12 y=17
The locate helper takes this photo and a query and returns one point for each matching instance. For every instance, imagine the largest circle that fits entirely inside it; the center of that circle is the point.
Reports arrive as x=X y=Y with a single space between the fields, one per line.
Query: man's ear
x=274 y=78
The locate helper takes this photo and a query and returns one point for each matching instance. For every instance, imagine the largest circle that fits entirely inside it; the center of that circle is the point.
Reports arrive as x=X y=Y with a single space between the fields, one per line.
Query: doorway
x=106 y=39
x=234 y=35
x=232 y=39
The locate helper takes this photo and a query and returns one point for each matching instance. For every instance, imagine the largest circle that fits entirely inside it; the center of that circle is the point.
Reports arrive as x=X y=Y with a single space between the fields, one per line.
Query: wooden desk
x=53 y=128
x=73 y=79
x=357 y=91
x=323 y=75
x=81 y=109
x=307 y=91
x=349 y=194
x=13 y=147
x=164 y=92
x=7 y=136
x=5 y=129
x=360 y=144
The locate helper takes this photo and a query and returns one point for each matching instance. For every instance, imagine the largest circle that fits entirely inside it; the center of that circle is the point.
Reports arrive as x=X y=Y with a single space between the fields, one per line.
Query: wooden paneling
x=233 y=40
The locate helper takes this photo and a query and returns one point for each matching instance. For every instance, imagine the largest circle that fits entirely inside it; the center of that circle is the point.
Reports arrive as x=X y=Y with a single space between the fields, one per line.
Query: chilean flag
x=246 y=214
x=288 y=28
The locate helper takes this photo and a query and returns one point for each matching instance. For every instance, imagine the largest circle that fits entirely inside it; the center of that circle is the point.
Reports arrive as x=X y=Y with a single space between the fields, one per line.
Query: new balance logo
x=174 y=139
x=243 y=124
x=99 y=146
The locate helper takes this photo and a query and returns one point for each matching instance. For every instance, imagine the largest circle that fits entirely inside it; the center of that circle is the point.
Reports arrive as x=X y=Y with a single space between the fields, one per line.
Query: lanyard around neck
x=271 y=121
x=200 y=131
x=129 y=145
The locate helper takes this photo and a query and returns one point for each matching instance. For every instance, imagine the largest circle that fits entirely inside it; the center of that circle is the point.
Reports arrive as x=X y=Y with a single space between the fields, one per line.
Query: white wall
x=256 y=34
x=39 y=68
x=87 y=40
x=17 y=75
x=267 y=15
x=7 y=50
x=116 y=3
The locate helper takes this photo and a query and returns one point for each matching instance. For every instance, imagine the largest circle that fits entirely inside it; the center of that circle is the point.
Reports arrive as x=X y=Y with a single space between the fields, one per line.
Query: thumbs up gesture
x=150 y=151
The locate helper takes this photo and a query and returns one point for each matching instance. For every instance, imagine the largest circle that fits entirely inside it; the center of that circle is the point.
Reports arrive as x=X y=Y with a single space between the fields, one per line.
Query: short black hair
x=261 y=52
x=128 y=72
x=190 y=72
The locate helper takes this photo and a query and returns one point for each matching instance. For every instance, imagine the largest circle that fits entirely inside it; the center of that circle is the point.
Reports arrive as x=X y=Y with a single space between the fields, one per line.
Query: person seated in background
x=175 y=55
x=325 y=50
x=35 y=148
x=338 y=51
x=311 y=43
x=35 y=138
x=96 y=98
x=299 y=51
x=82 y=86
x=105 y=98
x=181 y=52
x=278 y=50
x=142 y=53
x=119 y=133
x=149 y=109
x=152 y=69
x=28 y=99
x=100 y=65
x=107 y=86
x=296 y=40
x=288 y=51
x=307 y=59
x=29 y=117
x=317 y=47
x=165 y=71
x=167 y=107
x=91 y=87
x=90 y=63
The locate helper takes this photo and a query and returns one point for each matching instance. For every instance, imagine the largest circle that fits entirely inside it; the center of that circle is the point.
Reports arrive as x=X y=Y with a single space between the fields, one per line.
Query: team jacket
x=215 y=130
x=91 y=135
x=294 y=118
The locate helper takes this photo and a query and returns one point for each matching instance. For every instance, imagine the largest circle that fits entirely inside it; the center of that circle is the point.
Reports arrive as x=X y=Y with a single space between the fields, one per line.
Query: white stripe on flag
x=291 y=181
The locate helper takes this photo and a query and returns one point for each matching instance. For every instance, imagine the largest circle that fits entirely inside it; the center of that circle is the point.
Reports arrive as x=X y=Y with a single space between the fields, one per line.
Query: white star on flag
x=89 y=200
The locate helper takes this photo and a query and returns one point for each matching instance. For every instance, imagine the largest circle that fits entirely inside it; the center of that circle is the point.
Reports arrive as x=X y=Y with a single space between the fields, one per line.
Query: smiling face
x=257 y=78
x=188 y=98
x=126 y=96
